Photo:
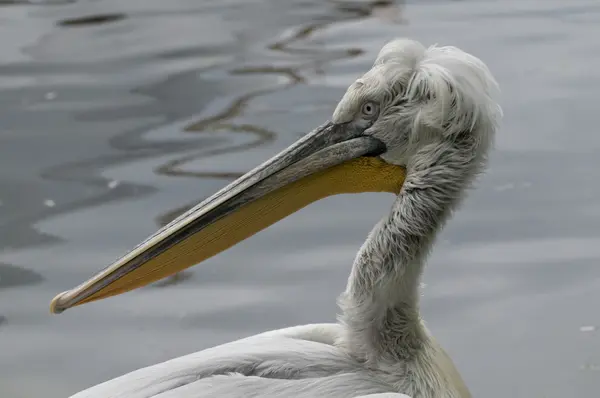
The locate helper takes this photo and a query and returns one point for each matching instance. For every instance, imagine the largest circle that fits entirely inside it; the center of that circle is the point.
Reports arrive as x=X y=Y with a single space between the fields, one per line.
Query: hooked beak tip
x=55 y=307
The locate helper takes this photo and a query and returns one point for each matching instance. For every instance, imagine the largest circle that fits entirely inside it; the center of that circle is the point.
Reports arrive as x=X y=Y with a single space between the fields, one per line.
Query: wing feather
x=299 y=361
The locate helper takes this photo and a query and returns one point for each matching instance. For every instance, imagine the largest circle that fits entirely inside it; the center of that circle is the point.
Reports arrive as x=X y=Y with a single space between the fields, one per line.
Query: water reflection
x=296 y=43
x=11 y=276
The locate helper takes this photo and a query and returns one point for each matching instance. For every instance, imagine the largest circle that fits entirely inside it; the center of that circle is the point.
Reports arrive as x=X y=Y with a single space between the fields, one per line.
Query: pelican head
x=415 y=107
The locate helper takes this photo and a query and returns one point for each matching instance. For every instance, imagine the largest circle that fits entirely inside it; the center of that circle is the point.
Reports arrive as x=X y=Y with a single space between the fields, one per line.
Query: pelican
x=419 y=124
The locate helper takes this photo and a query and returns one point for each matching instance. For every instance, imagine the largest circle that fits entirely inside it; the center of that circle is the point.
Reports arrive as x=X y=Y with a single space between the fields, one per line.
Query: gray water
x=117 y=115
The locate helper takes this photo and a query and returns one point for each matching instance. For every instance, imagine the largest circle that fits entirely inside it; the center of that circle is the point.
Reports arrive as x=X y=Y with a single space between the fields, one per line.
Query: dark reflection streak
x=284 y=44
x=301 y=34
x=263 y=137
x=294 y=76
x=35 y=3
x=91 y=20
x=235 y=109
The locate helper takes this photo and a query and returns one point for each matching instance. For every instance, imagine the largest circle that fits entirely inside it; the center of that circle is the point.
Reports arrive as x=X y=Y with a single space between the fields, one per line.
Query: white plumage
x=432 y=112
x=298 y=362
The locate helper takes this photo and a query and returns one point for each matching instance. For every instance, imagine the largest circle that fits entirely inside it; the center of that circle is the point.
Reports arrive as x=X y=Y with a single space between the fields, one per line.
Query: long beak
x=333 y=159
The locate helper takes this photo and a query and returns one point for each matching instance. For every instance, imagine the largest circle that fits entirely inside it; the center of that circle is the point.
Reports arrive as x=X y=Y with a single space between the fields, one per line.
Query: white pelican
x=418 y=124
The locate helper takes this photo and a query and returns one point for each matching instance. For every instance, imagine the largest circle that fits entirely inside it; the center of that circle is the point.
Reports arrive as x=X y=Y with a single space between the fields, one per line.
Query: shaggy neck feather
x=380 y=306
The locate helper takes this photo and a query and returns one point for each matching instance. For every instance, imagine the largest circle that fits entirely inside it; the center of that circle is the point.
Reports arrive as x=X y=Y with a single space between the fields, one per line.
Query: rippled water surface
x=116 y=115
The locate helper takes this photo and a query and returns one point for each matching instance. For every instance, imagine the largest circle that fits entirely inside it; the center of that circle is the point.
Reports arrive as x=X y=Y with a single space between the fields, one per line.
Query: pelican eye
x=369 y=110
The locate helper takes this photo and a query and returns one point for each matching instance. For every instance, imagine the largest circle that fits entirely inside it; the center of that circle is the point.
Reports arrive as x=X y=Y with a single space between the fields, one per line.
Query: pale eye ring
x=369 y=109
